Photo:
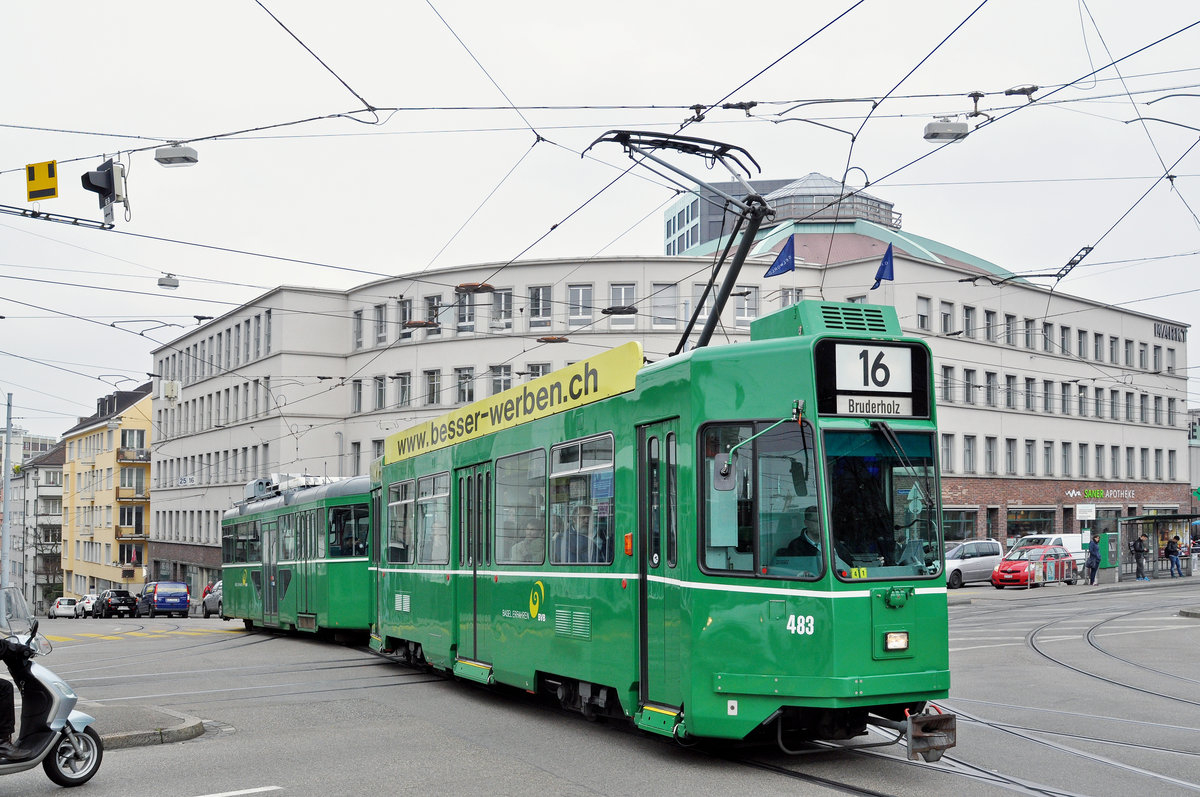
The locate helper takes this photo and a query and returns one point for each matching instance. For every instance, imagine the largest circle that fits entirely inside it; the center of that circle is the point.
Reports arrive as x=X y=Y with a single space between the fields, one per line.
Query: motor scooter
x=53 y=733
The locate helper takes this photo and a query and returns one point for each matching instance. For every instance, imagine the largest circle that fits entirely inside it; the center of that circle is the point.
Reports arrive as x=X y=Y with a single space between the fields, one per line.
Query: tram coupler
x=927 y=735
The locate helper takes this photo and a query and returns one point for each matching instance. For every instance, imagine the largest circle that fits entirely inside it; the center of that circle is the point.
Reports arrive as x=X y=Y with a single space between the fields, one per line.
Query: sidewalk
x=975 y=592
x=137 y=726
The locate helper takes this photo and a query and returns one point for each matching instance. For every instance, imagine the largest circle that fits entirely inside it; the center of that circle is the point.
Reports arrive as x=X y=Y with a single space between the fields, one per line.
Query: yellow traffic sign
x=41 y=180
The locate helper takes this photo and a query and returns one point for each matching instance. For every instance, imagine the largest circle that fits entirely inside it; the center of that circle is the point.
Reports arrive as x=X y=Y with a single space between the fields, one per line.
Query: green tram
x=733 y=542
x=296 y=556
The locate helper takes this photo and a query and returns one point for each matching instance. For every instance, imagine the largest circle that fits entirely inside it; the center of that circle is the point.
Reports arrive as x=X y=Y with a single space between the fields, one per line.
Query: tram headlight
x=896 y=640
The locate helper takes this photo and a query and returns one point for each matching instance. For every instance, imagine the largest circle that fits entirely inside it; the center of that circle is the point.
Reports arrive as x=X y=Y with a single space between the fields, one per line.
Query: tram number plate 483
x=800 y=624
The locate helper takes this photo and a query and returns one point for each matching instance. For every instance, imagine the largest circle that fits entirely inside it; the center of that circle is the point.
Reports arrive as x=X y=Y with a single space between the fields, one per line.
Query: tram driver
x=808 y=542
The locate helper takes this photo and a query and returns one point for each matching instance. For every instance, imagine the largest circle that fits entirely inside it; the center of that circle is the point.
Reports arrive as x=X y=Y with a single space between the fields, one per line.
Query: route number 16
x=876 y=372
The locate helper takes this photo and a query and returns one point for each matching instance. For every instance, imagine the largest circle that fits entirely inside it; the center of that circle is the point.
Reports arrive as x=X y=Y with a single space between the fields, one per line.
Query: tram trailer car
x=297 y=557
x=631 y=539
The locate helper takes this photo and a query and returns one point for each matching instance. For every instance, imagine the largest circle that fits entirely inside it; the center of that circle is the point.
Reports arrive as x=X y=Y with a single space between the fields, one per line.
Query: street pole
x=4 y=540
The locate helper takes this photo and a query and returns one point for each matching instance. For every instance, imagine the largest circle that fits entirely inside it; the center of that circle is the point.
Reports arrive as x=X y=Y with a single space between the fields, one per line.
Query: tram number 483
x=800 y=624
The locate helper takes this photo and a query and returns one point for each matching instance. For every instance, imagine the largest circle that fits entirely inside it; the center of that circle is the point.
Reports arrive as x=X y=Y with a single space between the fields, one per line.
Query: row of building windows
x=1049 y=396
x=244 y=401
x=89 y=516
x=237 y=344
x=98 y=442
x=1056 y=458
x=683 y=228
x=228 y=466
x=196 y=526
x=370 y=328
x=1035 y=335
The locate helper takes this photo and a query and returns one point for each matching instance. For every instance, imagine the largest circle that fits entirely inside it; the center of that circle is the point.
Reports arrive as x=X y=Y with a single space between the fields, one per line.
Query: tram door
x=270 y=559
x=473 y=494
x=658 y=544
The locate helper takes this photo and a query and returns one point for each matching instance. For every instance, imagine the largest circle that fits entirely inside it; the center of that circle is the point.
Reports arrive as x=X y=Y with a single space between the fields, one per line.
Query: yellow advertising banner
x=600 y=377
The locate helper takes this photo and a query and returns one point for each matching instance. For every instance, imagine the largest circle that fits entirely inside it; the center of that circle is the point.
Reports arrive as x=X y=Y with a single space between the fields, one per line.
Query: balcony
x=133 y=455
x=133 y=493
x=131 y=532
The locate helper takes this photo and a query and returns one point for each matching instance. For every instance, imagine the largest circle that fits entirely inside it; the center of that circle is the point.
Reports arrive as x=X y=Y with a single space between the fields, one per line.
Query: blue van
x=166 y=597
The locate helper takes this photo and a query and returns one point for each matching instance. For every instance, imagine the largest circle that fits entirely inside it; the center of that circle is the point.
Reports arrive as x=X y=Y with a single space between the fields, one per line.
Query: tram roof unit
x=293 y=490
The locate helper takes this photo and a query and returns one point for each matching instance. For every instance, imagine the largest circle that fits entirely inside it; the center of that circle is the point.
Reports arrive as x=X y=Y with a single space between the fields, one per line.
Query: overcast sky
x=455 y=176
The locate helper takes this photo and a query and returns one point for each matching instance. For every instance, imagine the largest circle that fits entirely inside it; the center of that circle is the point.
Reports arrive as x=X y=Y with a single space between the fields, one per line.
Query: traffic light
x=108 y=181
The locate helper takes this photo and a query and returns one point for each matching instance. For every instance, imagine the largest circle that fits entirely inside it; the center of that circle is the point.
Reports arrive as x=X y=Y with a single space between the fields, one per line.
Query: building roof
x=111 y=406
x=55 y=457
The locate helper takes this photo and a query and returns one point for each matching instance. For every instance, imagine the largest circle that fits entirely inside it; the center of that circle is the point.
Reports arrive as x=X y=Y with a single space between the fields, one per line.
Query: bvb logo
x=536 y=596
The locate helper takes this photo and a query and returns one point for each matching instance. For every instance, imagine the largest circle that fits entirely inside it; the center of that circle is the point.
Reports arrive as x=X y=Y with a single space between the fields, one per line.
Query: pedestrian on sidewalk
x=1172 y=552
x=1093 y=559
x=1141 y=547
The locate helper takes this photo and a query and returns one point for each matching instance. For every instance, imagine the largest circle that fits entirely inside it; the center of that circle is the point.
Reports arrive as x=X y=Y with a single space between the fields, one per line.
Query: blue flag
x=785 y=262
x=885 y=268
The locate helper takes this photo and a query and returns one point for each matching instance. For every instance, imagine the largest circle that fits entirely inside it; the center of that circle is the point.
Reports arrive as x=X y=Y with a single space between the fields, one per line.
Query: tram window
x=759 y=526
x=581 y=502
x=520 y=518
x=251 y=542
x=883 y=507
x=348 y=528
x=465 y=549
x=433 y=519
x=401 y=510
x=228 y=543
x=315 y=535
x=287 y=535
x=653 y=506
x=672 y=502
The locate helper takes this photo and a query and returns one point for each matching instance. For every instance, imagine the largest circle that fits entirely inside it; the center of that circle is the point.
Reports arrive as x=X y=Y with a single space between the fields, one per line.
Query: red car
x=1034 y=565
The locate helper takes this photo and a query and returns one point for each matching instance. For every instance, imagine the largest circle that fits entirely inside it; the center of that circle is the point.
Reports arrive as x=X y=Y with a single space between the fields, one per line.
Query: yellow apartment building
x=106 y=495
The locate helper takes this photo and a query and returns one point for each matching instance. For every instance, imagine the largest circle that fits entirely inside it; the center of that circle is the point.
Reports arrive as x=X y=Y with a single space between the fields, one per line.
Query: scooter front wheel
x=66 y=767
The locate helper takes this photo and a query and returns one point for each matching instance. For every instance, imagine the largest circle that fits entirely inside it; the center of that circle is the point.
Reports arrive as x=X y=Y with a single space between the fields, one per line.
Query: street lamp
x=176 y=155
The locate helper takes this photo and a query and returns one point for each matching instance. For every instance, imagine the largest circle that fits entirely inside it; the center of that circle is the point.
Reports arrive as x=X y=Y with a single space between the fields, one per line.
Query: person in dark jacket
x=1172 y=552
x=1141 y=547
x=1093 y=559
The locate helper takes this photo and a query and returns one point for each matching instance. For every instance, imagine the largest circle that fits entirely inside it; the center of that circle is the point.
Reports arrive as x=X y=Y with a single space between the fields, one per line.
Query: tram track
x=1075 y=752
x=1032 y=643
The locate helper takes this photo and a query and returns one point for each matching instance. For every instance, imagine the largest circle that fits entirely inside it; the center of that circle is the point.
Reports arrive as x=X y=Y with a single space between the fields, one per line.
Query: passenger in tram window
x=531 y=547
x=577 y=542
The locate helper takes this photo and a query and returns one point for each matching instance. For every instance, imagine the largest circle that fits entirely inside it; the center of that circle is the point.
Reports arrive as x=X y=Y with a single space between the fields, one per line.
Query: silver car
x=212 y=603
x=971 y=560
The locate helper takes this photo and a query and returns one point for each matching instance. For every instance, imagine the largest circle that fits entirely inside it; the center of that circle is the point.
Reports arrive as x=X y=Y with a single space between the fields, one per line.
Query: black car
x=113 y=602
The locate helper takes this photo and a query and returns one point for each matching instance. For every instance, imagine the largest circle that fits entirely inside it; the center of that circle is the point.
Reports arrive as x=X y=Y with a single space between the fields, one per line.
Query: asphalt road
x=1060 y=690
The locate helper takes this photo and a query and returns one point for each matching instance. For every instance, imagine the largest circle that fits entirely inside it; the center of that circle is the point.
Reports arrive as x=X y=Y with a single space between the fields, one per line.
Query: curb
x=189 y=728
x=1193 y=611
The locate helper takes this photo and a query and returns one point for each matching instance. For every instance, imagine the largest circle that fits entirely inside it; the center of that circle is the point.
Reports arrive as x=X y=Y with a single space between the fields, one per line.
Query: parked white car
x=83 y=606
x=63 y=607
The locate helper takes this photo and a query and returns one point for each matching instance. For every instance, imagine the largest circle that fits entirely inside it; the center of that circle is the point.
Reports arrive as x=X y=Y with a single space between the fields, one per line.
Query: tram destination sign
x=872 y=379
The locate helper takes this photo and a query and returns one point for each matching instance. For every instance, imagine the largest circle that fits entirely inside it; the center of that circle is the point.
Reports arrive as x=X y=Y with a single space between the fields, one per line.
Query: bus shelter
x=1159 y=529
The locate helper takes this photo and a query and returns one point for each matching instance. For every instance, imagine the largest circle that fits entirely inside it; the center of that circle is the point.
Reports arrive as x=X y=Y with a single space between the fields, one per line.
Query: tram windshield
x=755 y=520
x=883 y=504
